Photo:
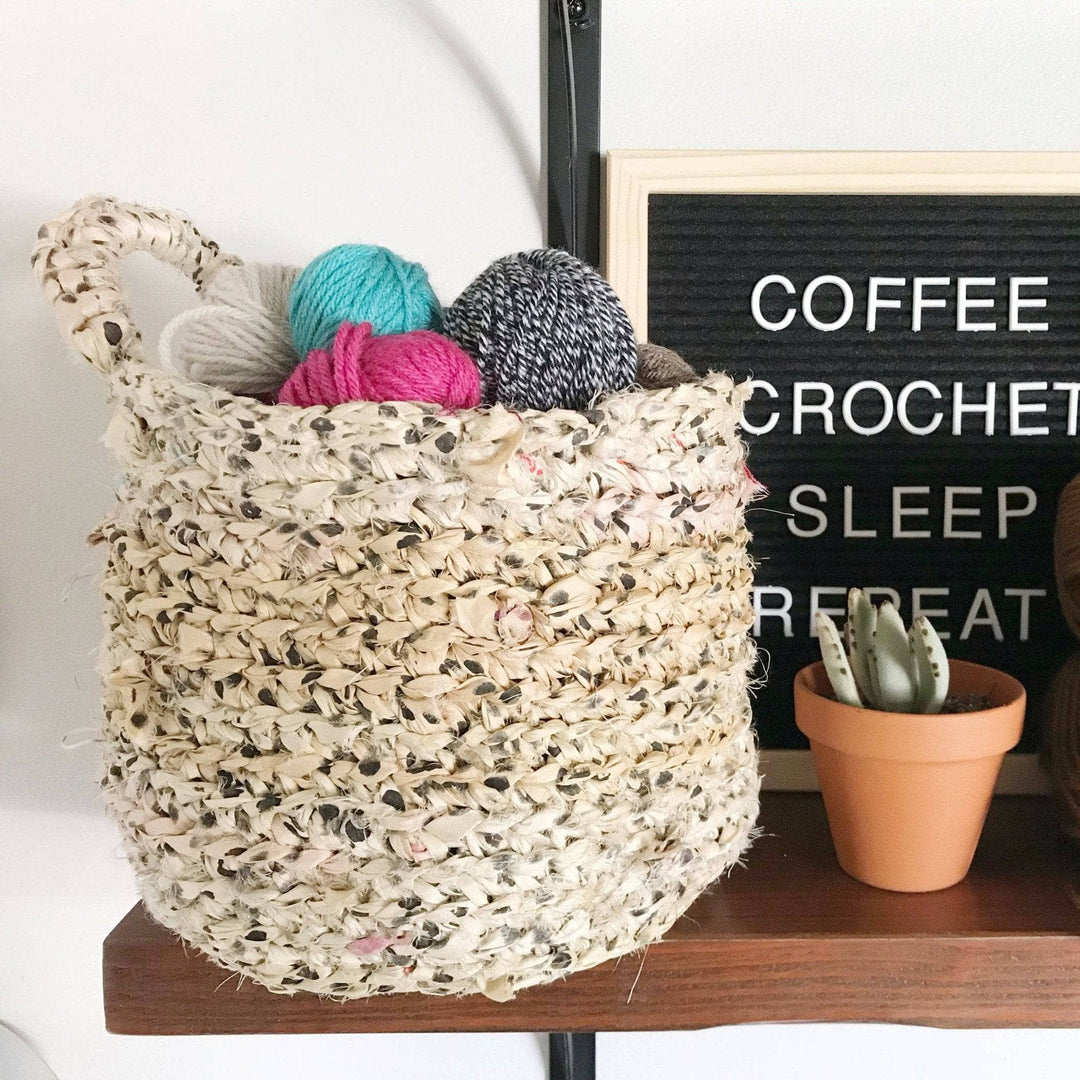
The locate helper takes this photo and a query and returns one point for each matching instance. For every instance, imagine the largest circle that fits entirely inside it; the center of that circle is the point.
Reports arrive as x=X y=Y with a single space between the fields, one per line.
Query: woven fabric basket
x=401 y=700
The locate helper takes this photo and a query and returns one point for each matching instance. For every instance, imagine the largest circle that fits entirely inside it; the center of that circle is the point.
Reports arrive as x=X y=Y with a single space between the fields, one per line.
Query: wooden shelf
x=789 y=937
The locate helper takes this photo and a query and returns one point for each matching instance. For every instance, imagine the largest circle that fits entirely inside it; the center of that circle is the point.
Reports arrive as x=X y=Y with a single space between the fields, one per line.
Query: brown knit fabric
x=1067 y=553
x=1061 y=737
x=1061 y=745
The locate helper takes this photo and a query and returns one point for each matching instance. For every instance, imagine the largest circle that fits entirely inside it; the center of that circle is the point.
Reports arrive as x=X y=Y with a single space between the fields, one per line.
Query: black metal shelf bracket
x=573 y=170
x=573 y=127
x=572 y=1055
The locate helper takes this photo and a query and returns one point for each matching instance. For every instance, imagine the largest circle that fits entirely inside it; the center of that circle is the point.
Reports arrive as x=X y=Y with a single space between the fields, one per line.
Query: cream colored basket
x=401 y=700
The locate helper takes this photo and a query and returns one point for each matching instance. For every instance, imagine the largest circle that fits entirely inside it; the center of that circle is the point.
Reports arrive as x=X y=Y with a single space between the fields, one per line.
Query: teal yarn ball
x=360 y=283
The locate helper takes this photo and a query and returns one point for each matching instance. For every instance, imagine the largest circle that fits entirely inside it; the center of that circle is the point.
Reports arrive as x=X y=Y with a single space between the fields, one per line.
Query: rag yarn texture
x=360 y=283
x=397 y=699
x=238 y=338
x=659 y=367
x=418 y=366
x=546 y=330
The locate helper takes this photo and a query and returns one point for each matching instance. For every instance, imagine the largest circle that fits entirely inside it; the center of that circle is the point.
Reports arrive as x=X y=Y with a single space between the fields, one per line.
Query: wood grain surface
x=788 y=937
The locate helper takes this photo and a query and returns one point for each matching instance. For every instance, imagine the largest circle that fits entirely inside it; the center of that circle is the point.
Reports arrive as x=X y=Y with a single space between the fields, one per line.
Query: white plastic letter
x=850 y=532
x=755 y=302
x=824 y=407
x=918 y=301
x=1017 y=408
x=954 y=511
x=901 y=407
x=887 y=407
x=900 y=511
x=882 y=590
x=810 y=511
x=1016 y=301
x=816 y=593
x=982 y=600
x=783 y=613
x=963 y=302
x=1025 y=607
x=917 y=608
x=1073 y=390
x=959 y=407
x=808 y=302
x=1004 y=513
x=770 y=391
x=873 y=301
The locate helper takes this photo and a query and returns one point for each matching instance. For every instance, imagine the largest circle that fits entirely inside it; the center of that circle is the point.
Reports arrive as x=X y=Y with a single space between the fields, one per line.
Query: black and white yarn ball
x=546 y=331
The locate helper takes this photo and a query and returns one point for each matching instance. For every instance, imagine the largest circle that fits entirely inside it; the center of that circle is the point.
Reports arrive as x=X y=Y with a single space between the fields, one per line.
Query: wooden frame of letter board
x=633 y=175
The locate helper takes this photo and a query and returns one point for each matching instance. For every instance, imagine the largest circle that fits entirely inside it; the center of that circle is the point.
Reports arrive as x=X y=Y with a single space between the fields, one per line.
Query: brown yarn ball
x=1061 y=734
x=660 y=368
x=1061 y=743
x=1067 y=553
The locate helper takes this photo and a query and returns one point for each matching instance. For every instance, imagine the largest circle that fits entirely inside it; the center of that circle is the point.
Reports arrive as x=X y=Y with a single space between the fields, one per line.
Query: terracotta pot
x=906 y=794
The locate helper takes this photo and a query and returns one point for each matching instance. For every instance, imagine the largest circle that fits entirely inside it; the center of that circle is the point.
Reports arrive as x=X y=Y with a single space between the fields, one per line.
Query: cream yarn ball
x=238 y=338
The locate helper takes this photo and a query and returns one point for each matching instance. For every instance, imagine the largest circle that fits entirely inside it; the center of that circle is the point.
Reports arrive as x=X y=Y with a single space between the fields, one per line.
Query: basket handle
x=76 y=261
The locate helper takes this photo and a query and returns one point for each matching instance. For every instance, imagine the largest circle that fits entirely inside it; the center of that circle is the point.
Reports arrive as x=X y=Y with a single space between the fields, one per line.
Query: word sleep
x=954 y=513
x=972 y=309
x=919 y=407
x=1012 y=612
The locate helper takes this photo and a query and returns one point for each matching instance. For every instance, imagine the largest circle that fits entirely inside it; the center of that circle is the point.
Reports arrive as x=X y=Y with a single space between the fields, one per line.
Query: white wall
x=282 y=127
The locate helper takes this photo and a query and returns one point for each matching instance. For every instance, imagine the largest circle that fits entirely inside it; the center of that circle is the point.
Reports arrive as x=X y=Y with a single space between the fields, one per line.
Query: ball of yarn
x=546 y=330
x=418 y=366
x=1067 y=553
x=1061 y=734
x=238 y=338
x=360 y=283
x=1061 y=743
x=660 y=368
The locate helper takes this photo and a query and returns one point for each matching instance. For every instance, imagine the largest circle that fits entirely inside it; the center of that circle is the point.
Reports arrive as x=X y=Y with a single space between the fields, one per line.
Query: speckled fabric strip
x=403 y=700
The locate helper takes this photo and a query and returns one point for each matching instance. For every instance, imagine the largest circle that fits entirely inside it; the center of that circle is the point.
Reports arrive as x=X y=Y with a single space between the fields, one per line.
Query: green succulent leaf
x=836 y=661
x=892 y=658
x=861 y=622
x=877 y=663
x=931 y=664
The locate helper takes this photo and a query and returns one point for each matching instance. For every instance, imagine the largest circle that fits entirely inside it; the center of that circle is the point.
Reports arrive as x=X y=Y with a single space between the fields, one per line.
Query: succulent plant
x=884 y=666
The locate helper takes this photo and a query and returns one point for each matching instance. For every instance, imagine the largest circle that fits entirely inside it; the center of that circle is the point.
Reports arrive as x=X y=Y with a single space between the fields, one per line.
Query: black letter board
x=893 y=498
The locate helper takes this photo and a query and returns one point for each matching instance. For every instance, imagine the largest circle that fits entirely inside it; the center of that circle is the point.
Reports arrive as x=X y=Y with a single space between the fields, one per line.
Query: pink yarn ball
x=420 y=365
